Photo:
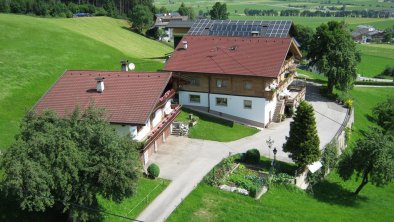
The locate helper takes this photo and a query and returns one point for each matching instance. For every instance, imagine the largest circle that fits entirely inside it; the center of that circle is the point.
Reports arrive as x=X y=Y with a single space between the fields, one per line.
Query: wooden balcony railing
x=158 y=130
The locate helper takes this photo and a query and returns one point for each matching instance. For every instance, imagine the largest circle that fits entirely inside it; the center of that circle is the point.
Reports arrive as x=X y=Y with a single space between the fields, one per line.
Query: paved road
x=360 y=78
x=186 y=161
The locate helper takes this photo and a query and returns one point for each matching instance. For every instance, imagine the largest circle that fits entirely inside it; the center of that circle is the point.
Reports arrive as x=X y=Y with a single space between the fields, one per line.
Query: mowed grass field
x=314 y=22
x=374 y=58
x=237 y=7
x=34 y=52
x=332 y=200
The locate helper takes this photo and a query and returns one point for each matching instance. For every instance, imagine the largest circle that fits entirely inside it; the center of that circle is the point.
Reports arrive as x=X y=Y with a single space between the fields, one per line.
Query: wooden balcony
x=166 y=121
x=285 y=83
x=288 y=65
x=297 y=95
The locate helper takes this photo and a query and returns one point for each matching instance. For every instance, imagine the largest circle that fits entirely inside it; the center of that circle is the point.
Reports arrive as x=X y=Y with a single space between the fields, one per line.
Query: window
x=221 y=101
x=194 y=82
x=220 y=83
x=194 y=98
x=247 y=104
x=247 y=85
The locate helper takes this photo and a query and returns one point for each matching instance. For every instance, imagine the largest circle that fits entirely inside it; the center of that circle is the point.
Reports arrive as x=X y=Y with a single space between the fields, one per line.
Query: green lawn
x=312 y=76
x=364 y=101
x=374 y=58
x=133 y=206
x=332 y=202
x=212 y=128
x=34 y=52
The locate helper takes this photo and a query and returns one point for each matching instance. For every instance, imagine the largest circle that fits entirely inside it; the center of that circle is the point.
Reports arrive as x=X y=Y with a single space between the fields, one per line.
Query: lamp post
x=275 y=151
x=270 y=143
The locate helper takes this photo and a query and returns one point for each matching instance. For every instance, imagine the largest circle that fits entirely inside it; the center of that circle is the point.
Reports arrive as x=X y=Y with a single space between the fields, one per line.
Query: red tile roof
x=252 y=56
x=128 y=97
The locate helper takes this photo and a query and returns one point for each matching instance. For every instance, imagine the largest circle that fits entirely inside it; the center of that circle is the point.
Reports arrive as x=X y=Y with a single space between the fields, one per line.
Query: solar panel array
x=279 y=29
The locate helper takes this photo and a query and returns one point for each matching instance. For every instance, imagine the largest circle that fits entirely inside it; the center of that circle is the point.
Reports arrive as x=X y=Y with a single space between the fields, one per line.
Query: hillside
x=115 y=33
x=34 y=52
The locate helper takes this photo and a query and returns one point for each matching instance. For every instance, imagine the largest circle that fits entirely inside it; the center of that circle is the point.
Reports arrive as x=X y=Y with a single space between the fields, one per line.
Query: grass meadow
x=237 y=7
x=374 y=58
x=34 y=52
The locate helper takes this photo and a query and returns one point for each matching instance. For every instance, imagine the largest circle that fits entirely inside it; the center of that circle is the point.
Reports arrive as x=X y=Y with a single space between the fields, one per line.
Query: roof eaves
x=46 y=93
x=284 y=58
x=158 y=97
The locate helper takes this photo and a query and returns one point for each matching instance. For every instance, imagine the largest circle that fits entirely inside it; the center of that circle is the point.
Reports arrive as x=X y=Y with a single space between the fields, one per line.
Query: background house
x=163 y=19
x=178 y=29
x=366 y=33
x=137 y=104
x=240 y=70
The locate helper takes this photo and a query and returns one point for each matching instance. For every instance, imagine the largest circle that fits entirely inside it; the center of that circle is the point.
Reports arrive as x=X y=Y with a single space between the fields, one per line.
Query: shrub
x=289 y=112
x=282 y=178
x=153 y=170
x=252 y=156
x=349 y=103
x=253 y=191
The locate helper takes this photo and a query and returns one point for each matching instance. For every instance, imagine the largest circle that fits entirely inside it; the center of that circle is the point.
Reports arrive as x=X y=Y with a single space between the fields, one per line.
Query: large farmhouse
x=137 y=104
x=240 y=70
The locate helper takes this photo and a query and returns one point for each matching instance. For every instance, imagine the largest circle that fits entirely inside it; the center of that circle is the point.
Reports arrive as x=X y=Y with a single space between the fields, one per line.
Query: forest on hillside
x=66 y=8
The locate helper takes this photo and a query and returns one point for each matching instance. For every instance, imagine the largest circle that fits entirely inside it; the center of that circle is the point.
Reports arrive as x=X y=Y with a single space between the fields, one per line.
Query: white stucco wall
x=184 y=98
x=235 y=107
x=269 y=106
x=143 y=132
x=158 y=117
x=167 y=108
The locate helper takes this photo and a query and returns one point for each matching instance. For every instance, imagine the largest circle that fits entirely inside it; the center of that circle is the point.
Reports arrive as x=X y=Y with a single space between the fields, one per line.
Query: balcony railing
x=288 y=65
x=158 y=130
x=285 y=83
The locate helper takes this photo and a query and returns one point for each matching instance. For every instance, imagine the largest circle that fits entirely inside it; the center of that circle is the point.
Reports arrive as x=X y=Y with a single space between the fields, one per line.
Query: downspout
x=209 y=93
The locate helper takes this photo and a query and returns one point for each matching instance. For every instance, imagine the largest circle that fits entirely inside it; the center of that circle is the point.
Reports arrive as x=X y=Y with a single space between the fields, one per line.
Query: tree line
x=318 y=13
x=66 y=8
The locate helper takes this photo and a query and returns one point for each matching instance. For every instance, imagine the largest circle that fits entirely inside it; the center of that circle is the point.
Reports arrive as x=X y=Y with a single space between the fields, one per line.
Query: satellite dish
x=131 y=66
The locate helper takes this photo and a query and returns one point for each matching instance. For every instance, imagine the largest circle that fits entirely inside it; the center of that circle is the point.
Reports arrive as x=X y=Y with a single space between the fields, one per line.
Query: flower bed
x=248 y=179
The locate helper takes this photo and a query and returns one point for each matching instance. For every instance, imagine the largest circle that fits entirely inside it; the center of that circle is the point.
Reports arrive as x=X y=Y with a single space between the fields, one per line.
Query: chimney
x=124 y=64
x=184 y=45
x=100 y=84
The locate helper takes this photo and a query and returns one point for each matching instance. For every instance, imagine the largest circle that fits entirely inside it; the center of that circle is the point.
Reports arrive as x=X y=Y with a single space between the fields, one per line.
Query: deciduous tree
x=384 y=113
x=303 y=141
x=69 y=161
x=219 y=11
x=187 y=11
x=334 y=53
x=141 y=17
x=372 y=160
x=304 y=36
